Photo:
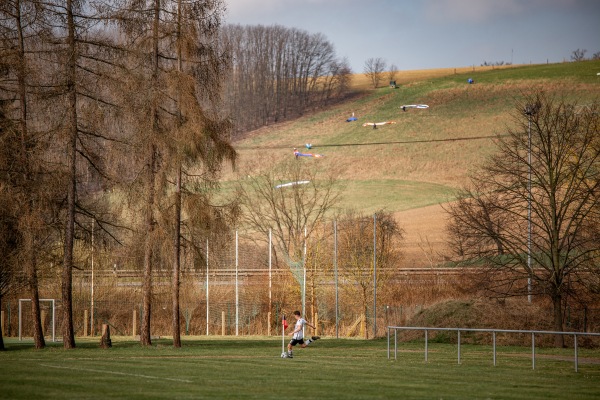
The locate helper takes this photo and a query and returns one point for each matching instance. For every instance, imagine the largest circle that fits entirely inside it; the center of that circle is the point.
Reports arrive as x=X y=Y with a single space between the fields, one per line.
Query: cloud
x=481 y=11
x=238 y=8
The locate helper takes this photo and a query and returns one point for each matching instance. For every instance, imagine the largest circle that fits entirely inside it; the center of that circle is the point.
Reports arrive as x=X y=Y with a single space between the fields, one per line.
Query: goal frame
x=51 y=301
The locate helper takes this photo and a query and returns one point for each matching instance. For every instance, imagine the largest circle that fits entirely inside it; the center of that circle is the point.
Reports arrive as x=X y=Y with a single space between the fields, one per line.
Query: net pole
x=92 y=288
x=335 y=271
x=53 y=321
x=304 y=280
x=270 y=276
x=237 y=294
x=20 y=323
x=207 y=292
x=374 y=276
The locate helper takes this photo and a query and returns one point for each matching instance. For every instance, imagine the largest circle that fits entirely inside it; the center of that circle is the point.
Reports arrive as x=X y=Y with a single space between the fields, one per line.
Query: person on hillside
x=298 y=334
x=298 y=154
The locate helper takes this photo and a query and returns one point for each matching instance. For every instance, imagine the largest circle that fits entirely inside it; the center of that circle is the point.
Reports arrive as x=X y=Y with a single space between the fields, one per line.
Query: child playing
x=298 y=334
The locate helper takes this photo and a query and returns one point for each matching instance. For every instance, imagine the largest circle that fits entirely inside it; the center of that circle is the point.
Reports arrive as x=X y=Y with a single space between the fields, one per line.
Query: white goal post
x=53 y=317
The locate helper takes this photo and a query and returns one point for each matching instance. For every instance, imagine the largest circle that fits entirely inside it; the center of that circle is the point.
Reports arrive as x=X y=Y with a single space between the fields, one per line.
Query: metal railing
x=492 y=331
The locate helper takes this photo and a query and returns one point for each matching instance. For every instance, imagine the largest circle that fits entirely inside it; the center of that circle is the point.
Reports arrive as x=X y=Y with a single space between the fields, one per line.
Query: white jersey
x=299 y=324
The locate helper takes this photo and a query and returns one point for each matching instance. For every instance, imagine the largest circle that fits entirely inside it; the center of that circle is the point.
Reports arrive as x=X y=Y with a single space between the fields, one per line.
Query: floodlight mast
x=304 y=279
x=530 y=110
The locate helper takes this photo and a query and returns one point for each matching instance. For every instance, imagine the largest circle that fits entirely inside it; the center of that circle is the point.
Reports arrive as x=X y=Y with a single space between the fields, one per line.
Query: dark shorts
x=294 y=342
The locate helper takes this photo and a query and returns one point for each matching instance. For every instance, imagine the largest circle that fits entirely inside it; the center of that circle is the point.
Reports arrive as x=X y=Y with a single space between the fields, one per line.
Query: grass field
x=251 y=368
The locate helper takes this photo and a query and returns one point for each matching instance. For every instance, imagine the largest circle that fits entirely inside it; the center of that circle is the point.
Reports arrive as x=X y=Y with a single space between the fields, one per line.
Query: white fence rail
x=492 y=331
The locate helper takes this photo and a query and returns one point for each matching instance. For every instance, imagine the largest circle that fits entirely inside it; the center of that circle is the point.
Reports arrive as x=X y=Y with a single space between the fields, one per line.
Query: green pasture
x=396 y=195
x=251 y=368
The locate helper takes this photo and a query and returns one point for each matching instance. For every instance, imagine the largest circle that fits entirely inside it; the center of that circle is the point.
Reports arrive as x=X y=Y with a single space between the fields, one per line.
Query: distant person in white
x=298 y=335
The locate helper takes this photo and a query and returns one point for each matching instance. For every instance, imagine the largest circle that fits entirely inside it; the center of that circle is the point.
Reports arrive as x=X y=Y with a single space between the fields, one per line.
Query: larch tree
x=357 y=247
x=178 y=123
x=201 y=134
x=9 y=232
x=83 y=73
x=23 y=30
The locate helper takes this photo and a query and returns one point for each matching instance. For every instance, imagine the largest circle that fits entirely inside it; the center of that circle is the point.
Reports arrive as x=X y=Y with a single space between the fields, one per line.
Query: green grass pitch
x=251 y=368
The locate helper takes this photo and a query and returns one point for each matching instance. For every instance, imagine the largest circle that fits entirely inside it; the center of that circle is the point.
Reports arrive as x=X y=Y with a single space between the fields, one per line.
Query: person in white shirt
x=298 y=334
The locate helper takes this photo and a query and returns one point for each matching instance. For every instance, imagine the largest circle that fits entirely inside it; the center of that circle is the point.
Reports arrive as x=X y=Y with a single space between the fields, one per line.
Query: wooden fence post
x=134 y=323
x=269 y=323
x=223 y=323
x=85 y=322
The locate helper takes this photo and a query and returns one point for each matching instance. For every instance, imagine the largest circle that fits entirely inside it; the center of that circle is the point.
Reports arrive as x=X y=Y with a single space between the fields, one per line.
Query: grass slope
x=252 y=369
x=456 y=110
x=404 y=176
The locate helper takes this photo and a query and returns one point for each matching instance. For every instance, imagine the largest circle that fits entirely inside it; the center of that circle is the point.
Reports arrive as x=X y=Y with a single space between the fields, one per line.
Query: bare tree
x=9 y=233
x=26 y=84
x=490 y=219
x=292 y=211
x=578 y=55
x=374 y=69
x=392 y=72
x=8 y=249
x=277 y=73
x=356 y=254
x=83 y=72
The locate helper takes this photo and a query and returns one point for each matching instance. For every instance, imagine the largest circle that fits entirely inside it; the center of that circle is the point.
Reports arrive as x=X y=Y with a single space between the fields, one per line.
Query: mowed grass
x=251 y=368
x=389 y=194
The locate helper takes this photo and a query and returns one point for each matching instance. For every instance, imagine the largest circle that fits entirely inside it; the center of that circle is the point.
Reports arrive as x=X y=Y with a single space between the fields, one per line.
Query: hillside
x=412 y=179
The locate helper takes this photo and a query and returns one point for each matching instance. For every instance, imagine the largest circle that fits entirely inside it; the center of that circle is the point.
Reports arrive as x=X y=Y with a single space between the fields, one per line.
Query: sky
x=423 y=34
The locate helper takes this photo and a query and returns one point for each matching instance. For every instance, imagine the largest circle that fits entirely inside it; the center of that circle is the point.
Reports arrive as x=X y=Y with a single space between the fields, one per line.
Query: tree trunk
x=559 y=340
x=1 y=337
x=177 y=234
x=177 y=262
x=67 y=273
x=31 y=264
x=32 y=283
x=145 y=338
x=365 y=307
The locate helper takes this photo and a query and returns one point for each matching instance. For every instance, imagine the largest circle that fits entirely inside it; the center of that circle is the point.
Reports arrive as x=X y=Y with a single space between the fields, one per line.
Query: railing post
x=459 y=346
x=426 y=332
x=388 y=342
x=494 y=345
x=395 y=344
x=494 y=340
x=532 y=350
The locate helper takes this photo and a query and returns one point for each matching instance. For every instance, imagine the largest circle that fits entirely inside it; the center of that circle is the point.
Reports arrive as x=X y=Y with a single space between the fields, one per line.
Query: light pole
x=530 y=110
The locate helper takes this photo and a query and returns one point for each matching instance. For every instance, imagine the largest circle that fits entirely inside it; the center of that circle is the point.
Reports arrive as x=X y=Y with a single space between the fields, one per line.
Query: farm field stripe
x=116 y=373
